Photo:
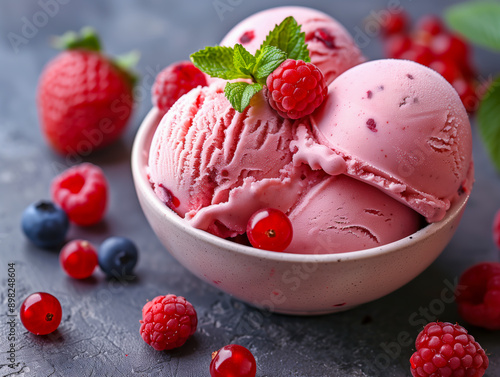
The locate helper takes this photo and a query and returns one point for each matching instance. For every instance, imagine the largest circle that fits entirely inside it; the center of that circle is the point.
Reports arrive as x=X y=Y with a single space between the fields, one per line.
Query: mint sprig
x=288 y=38
x=285 y=41
x=217 y=61
x=478 y=21
x=487 y=118
x=240 y=93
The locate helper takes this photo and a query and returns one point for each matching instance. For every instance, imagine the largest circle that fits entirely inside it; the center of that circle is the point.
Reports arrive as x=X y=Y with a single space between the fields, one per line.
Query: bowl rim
x=139 y=158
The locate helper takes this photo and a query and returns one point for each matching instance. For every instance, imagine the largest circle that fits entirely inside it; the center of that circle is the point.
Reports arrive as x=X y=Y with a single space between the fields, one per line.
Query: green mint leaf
x=243 y=61
x=239 y=94
x=288 y=38
x=268 y=60
x=478 y=21
x=216 y=61
x=489 y=126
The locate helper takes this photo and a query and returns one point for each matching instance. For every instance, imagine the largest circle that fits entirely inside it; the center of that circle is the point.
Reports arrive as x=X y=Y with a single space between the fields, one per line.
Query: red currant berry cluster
x=430 y=43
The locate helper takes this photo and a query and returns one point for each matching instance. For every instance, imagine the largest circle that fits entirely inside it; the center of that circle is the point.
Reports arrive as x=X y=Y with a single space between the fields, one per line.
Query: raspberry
x=174 y=81
x=82 y=193
x=167 y=322
x=447 y=350
x=478 y=295
x=296 y=88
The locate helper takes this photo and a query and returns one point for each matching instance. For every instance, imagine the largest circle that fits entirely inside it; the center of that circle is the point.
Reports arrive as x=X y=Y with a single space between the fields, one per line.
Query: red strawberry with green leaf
x=84 y=98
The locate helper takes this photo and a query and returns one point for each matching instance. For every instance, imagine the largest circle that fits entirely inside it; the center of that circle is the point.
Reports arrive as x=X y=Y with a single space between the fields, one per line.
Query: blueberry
x=117 y=257
x=45 y=224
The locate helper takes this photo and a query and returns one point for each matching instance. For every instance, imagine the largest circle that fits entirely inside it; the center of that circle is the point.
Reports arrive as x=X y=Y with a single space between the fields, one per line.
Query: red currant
x=78 y=259
x=82 y=192
x=430 y=24
x=41 y=313
x=496 y=229
x=467 y=92
x=395 y=23
x=450 y=46
x=270 y=229
x=446 y=68
x=395 y=45
x=233 y=360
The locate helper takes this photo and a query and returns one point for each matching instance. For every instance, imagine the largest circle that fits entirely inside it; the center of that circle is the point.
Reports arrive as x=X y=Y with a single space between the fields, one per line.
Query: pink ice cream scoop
x=399 y=126
x=331 y=47
x=342 y=214
x=216 y=167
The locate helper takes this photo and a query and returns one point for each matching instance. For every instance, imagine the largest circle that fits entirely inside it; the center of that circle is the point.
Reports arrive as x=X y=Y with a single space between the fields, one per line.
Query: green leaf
x=288 y=38
x=87 y=39
x=243 y=61
x=239 y=94
x=126 y=64
x=269 y=59
x=478 y=21
x=216 y=61
x=489 y=121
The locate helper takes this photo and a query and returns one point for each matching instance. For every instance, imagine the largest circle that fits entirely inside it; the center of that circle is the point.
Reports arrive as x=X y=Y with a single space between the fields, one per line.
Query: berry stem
x=87 y=39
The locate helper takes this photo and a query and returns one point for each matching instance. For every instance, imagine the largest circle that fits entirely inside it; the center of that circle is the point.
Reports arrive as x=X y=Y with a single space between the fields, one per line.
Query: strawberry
x=84 y=98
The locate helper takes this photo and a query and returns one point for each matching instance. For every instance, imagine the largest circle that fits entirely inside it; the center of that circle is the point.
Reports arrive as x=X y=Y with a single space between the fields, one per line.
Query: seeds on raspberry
x=174 y=81
x=167 y=322
x=41 y=313
x=270 y=229
x=478 y=295
x=444 y=349
x=78 y=259
x=296 y=88
x=82 y=192
x=233 y=360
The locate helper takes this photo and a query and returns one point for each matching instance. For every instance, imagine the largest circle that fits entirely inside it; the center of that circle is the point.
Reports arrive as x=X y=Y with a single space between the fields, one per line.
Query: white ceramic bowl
x=282 y=282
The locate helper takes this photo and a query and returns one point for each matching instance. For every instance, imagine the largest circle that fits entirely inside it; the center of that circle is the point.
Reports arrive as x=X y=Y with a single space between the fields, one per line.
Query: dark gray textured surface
x=99 y=333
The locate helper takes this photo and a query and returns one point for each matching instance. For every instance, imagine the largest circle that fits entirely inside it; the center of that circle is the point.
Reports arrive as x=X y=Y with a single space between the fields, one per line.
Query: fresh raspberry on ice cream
x=296 y=88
